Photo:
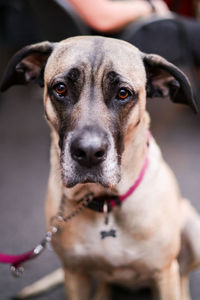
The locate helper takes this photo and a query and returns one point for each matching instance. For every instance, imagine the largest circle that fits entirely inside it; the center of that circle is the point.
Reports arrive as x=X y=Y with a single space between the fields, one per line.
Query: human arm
x=110 y=16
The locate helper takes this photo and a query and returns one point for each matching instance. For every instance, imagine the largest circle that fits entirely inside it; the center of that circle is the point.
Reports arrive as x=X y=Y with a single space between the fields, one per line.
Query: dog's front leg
x=77 y=285
x=103 y=292
x=167 y=283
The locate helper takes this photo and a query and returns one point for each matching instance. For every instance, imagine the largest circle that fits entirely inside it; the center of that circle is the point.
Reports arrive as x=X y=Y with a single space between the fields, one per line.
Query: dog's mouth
x=89 y=177
x=72 y=182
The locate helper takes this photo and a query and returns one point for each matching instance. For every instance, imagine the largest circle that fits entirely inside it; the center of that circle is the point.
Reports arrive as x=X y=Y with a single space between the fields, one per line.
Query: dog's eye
x=60 y=89
x=123 y=94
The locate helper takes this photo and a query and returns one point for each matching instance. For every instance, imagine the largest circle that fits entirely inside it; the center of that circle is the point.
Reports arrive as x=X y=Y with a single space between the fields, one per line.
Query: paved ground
x=24 y=161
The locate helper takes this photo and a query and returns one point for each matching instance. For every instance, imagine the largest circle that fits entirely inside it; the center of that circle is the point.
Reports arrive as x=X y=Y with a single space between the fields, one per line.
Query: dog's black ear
x=27 y=65
x=166 y=80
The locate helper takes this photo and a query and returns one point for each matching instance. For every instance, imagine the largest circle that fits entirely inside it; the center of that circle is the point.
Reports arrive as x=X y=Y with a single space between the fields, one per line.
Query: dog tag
x=107 y=233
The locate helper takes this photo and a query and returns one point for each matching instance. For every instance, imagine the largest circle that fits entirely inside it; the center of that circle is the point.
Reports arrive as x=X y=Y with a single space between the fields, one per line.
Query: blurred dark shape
x=56 y=21
x=28 y=21
x=16 y=24
x=24 y=22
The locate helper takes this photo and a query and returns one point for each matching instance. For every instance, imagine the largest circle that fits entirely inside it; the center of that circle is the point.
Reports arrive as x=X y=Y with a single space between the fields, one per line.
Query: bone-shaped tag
x=111 y=233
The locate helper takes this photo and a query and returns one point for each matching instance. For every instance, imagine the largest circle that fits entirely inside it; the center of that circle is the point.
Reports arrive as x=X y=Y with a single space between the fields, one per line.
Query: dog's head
x=95 y=88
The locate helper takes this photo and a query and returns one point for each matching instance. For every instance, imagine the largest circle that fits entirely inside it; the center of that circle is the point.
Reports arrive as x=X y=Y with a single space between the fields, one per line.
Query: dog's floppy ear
x=166 y=80
x=27 y=65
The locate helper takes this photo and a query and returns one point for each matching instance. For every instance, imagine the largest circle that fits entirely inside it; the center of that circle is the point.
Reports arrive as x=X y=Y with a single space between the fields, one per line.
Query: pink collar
x=141 y=175
x=96 y=204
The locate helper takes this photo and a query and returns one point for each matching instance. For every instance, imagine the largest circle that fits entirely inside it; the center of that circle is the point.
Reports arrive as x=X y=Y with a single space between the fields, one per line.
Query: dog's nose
x=89 y=147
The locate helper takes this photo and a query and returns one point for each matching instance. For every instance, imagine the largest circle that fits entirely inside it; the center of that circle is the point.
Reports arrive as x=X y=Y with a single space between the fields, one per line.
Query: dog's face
x=94 y=93
x=89 y=98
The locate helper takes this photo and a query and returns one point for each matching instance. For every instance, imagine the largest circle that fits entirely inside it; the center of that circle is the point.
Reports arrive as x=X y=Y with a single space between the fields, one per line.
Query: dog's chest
x=99 y=241
x=133 y=254
x=114 y=257
x=106 y=243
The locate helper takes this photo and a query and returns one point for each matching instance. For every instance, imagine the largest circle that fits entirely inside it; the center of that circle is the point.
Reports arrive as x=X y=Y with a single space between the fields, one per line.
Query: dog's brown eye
x=61 y=89
x=123 y=94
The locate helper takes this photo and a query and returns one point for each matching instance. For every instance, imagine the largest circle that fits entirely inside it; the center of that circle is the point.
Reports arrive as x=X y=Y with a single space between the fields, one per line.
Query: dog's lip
x=84 y=176
x=74 y=183
x=71 y=182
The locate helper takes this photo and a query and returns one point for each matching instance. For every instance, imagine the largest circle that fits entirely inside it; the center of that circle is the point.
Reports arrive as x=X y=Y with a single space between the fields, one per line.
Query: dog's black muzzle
x=89 y=147
x=87 y=156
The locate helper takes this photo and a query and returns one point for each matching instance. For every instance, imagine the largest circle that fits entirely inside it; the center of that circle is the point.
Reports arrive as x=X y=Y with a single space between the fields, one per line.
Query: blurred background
x=24 y=135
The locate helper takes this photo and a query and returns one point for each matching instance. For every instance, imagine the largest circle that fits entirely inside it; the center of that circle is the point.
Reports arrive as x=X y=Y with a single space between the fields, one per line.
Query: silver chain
x=57 y=222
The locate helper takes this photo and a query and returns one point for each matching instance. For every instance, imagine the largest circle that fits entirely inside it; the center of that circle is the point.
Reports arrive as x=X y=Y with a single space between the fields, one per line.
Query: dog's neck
x=132 y=161
x=134 y=155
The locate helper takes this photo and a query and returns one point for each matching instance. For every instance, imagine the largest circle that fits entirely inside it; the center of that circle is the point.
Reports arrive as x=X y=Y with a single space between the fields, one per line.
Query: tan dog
x=95 y=93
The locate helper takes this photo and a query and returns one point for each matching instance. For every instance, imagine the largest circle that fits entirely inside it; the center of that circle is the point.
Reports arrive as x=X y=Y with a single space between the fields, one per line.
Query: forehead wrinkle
x=117 y=78
x=97 y=58
x=119 y=52
x=67 y=58
x=63 y=71
x=127 y=62
x=97 y=54
x=133 y=74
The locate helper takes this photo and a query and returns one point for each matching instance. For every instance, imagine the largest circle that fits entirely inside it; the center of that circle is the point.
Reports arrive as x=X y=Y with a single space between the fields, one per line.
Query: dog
x=126 y=221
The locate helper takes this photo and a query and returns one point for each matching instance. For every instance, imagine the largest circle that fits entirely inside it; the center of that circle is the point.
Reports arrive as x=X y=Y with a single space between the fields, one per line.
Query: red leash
x=17 y=260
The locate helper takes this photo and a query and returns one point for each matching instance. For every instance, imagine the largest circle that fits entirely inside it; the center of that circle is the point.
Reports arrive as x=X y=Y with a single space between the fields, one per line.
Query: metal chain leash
x=56 y=223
